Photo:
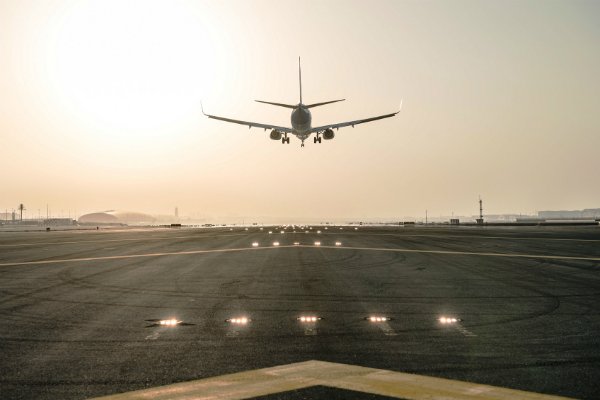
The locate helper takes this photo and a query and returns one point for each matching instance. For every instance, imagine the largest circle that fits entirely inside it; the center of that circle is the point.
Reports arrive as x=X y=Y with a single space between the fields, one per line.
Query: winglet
x=202 y=108
x=400 y=108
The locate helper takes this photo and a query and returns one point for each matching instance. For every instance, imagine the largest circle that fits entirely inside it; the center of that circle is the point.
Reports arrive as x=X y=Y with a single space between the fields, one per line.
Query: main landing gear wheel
x=317 y=139
x=285 y=140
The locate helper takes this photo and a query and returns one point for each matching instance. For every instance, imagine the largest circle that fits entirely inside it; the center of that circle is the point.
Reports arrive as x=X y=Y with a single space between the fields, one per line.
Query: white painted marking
x=465 y=331
x=284 y=378
x=387 y=329
x=308 y=331
x=153 y=336
x=176 y=253
x=465 y=253
x=137 y=239
x=392 y=250
x=401 y=235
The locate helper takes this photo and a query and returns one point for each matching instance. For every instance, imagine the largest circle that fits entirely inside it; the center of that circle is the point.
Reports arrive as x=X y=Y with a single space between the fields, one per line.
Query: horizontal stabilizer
x=323 y=103
x=277 y=104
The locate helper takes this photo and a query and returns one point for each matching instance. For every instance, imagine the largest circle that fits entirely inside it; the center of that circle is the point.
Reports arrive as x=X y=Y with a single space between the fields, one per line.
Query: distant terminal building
x=588 y=213
x=114 y=217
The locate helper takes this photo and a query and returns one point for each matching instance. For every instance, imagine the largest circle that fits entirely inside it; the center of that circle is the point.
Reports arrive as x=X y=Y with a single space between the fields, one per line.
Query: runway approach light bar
x=317 y=243
x=254 y=244
x=318 y=231
x=378 y=319
x=296 y=243
x=169 y=322
x=270 y=232
x=311 y=318
x=239 y=321
x=448 y=320
x=338 y=243
x=282 y=232
x=275 y=243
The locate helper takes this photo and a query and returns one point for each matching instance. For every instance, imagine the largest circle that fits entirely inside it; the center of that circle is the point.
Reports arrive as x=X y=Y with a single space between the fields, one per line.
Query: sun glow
x=133 y=72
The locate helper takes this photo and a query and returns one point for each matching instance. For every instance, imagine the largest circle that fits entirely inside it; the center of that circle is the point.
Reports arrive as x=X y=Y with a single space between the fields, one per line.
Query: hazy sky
x=100 y=106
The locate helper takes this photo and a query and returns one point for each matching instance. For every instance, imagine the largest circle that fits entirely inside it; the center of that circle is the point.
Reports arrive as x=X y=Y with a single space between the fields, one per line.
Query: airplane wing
x=352 y=123
x=282 y=129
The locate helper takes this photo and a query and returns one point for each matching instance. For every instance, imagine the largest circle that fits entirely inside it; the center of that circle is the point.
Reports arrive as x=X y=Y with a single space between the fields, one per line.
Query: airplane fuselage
x=301 y=122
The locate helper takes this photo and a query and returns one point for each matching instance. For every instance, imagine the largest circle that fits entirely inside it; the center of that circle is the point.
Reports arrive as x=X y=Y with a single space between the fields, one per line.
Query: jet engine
x=328 y=134
x=275 y=135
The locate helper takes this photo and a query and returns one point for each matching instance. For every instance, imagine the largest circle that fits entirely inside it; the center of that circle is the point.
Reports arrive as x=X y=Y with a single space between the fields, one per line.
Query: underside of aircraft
x=301 y=119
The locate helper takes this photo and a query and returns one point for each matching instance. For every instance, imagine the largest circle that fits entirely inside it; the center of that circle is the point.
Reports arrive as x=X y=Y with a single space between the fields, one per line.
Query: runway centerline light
x=448 y=320
x=309 y=318
x=377 y=318
x=239 y=320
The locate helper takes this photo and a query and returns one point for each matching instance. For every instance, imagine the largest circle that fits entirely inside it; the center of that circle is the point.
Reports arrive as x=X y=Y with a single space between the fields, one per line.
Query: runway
x=81 y=311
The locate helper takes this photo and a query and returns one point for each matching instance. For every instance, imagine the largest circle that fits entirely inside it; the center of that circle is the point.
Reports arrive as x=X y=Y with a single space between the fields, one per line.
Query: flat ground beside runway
x=74 y=306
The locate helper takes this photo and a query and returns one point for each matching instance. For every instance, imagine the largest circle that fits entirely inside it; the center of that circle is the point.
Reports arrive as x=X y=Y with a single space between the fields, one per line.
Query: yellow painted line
x=284 y=378
x=174 y=253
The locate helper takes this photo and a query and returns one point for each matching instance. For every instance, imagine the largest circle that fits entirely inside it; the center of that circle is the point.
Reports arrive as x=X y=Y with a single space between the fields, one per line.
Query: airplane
x=301 y=120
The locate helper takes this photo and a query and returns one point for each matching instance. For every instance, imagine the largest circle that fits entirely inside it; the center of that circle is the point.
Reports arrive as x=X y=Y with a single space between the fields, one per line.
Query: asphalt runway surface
x=81 y=311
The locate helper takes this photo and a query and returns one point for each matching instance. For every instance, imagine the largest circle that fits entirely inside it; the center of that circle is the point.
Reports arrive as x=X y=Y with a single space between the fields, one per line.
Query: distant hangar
x=116 y=217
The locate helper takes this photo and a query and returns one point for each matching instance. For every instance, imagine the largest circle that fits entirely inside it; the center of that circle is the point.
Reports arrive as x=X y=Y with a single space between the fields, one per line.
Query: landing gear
x=317 y=139
x=285 y=140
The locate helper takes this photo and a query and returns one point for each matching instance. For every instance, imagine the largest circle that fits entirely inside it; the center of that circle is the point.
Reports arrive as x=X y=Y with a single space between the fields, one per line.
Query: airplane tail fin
x=300 y=79
x=323 y=103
